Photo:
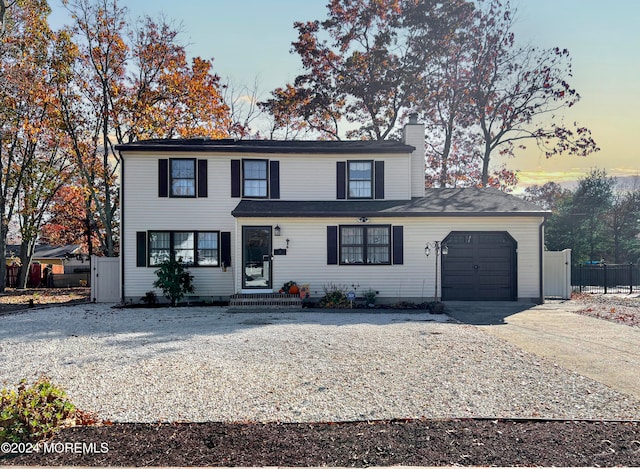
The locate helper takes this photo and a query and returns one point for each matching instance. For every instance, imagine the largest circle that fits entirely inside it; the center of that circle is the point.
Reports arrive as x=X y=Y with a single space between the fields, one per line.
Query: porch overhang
x=467 y=202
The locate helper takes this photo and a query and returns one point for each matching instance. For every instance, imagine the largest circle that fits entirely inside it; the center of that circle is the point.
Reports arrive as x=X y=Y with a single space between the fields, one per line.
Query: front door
x=256 y=257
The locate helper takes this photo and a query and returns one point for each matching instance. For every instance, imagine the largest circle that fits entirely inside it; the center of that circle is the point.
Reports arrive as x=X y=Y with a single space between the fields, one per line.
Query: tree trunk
x=89 y=232
x=26 y=254
x=3 y=263
x=444 y=163
x=485 y=166
x=4 y=231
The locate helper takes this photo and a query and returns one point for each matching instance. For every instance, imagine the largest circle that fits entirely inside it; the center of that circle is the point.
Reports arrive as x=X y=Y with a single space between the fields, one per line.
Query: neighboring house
x=250 y=215
x=62 y=259
x=58 y=257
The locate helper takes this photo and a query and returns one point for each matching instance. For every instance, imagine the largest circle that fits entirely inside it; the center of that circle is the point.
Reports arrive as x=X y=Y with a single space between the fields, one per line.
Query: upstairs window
x=183 y=177
x=255 y=177
x=360 y=174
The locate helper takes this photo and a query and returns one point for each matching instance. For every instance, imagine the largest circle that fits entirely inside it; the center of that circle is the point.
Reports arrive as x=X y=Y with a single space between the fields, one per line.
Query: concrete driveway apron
x=601 y=350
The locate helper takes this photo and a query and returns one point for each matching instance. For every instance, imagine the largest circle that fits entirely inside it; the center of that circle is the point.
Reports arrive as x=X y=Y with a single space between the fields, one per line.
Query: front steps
x=264 y=300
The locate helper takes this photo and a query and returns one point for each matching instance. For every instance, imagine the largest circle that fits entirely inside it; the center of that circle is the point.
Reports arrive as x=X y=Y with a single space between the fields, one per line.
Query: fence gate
x=105 y=279
x=557 y=274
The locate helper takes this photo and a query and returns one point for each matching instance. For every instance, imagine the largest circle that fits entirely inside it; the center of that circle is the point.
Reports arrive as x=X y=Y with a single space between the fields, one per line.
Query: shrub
x=34 y=413
x=335 y=296
x=150 y=298
x=174 y=280
x=370 y=297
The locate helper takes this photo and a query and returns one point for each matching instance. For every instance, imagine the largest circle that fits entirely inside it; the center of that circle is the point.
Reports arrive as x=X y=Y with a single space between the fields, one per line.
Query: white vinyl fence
x=557 y=274
x=105 y=279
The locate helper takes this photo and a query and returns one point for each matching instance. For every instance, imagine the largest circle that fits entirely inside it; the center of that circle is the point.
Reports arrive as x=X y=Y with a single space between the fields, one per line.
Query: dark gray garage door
x=479 y=266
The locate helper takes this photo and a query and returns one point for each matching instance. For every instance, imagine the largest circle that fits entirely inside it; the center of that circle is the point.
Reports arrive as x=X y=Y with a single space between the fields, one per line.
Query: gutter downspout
x=122 y=237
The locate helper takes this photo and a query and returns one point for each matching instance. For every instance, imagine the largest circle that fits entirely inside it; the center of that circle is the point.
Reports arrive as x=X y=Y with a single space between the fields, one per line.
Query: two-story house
x=250 y=215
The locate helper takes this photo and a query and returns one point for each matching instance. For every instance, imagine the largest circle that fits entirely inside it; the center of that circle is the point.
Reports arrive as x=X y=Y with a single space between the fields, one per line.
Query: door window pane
x=256 y=257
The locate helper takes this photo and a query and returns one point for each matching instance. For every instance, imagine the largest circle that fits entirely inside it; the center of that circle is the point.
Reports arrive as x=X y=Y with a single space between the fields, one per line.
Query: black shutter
x=225 y=248
x=203 y=190
x=398 y=245
x=379 y=180
x=235 y=178
x=141 y=249
x=341 y=180
x=274 y=179
x=332 y=245
x=163 y=178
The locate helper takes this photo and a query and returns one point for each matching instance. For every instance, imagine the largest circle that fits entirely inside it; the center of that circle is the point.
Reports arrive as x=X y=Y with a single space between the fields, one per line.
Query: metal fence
x=606 y=278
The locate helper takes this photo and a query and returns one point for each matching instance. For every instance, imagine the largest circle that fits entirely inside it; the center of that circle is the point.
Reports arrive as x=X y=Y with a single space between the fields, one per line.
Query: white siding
x=145 y=211
x=306 y=259
x=302 y=177
x=313 y=177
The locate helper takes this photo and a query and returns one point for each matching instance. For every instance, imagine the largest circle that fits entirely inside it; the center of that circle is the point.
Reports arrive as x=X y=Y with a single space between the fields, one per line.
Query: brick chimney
x=413 y=134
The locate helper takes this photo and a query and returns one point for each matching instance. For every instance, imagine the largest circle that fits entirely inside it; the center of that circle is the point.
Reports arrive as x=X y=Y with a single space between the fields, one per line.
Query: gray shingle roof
x=437 y=202
x=230 y=145
x=45 y=251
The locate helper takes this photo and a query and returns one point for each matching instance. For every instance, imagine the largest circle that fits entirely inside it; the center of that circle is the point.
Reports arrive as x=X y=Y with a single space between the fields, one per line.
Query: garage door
x=479 y=266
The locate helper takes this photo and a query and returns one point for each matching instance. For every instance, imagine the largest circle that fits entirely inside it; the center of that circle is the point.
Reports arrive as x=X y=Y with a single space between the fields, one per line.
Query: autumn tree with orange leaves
x=32 y=147
x=455 y=63
x=118 y=83
x=365 y=65
x=70 y=219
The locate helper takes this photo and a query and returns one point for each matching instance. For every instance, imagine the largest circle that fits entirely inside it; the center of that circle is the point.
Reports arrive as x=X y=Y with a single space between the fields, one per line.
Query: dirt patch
x=14 y=299
x=623 y=309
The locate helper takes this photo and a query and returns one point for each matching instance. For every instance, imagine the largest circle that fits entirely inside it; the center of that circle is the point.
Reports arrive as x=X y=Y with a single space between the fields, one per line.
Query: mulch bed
x=357 y=444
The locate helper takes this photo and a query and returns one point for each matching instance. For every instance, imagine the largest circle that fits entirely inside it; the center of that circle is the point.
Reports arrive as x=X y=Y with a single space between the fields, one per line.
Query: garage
x=479 y=266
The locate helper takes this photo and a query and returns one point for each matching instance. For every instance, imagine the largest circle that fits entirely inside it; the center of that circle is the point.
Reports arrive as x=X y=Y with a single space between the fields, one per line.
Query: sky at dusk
x=251 y=39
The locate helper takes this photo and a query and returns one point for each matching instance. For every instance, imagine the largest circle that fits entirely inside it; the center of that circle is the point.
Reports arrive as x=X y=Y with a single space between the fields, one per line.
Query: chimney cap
x=413 y=118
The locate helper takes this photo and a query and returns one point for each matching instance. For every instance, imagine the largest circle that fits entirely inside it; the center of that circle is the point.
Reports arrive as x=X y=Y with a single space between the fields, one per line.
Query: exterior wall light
x=277 y=230
x=439 y=248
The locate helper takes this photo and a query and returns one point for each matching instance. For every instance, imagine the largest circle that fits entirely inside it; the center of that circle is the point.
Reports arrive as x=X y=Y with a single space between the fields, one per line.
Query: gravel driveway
x=205 y=364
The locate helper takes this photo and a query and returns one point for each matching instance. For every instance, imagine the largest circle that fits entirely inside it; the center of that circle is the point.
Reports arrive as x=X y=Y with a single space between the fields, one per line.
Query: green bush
x=34 y=413
x=174 y=280
x=335 y=296
x=370 y=297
